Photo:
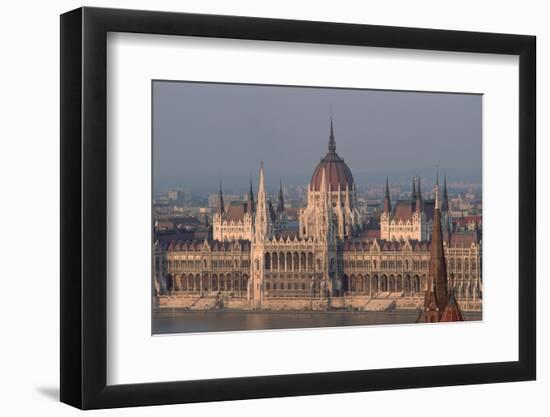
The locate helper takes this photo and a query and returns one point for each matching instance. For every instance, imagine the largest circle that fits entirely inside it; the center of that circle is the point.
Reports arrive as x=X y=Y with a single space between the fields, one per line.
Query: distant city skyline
x=203 y=132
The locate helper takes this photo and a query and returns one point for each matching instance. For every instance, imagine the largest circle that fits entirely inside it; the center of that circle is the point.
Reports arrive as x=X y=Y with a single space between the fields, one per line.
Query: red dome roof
x=337 y=173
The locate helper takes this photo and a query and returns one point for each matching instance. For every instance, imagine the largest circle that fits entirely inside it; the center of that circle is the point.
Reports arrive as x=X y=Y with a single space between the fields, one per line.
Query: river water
x=166 y=321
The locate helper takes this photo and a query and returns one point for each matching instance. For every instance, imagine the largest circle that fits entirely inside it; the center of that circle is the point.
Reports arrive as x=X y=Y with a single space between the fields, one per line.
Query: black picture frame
x=84 y=207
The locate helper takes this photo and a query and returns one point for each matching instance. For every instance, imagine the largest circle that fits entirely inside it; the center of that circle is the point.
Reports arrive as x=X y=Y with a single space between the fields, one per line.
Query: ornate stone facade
x=253 y=257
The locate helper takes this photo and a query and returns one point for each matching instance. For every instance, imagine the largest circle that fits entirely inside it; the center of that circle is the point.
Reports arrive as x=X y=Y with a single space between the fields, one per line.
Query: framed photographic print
x=257 y=208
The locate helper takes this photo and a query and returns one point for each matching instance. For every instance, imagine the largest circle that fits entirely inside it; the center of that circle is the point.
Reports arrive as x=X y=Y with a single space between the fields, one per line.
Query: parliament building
x=253 y=259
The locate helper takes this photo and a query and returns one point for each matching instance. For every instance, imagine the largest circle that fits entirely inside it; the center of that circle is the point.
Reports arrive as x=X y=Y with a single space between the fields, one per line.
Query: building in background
x=256 y=259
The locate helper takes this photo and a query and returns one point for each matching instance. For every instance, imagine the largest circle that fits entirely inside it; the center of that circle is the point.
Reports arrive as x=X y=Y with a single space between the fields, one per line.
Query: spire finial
x=387 y=202
x=331 y=141
x=418 y=196
x=250 y=203
x=445 y=202
x=221 y=207
x=281 y=201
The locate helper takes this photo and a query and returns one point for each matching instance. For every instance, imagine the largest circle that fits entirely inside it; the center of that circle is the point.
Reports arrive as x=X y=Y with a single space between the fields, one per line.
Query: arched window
x=267 y=261
x=184 y=282
x=289 y=261
x=275 y=260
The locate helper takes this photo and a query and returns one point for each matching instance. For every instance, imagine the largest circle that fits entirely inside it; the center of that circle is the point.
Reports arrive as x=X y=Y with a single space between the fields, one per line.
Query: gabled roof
x=464 y=239
x=403 y=210
x=236 y=211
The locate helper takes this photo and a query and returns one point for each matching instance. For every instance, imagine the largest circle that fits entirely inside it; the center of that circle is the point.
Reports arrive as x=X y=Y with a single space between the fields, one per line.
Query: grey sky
x=202 y=132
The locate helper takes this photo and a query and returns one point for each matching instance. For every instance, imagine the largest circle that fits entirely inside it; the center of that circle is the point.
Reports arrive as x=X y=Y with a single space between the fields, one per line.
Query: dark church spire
x=413 y=194
x=331 y=141
x=250 y=202
x=418 y=196
x=445 y=201
x=280 y=201
x=221 y=208
x=387 y=202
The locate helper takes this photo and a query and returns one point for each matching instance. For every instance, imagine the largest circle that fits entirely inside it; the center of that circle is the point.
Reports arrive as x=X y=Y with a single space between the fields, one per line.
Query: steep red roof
x=452 y=311
x=464 y=238
x=236 y=211
x=403 y=210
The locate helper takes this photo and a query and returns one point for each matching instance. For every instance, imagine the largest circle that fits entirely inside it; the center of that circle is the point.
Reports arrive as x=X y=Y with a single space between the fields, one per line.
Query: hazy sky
x=202 y=132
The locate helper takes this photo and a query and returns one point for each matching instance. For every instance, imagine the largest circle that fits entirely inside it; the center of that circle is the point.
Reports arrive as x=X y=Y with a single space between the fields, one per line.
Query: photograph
x=286 y=207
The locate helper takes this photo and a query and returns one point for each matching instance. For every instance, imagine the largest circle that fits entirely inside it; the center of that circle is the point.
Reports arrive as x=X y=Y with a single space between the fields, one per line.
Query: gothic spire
x=280 y=202
x=331 y=141
x=438 y=268
x=418 y=196
x=387 y=202
x=262 y=221
x=413 y=194
x=250 y=202
x=445 y=201
x=221 y=208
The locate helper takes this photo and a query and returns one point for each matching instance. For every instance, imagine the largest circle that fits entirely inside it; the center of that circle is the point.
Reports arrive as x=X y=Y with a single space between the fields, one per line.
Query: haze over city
x=204 y=132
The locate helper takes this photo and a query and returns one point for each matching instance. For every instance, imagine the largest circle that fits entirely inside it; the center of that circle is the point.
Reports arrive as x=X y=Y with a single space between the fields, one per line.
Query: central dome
x=337 y=173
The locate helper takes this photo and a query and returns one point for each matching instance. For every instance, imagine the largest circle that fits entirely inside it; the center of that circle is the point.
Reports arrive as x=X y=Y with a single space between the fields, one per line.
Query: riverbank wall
x=357 y=303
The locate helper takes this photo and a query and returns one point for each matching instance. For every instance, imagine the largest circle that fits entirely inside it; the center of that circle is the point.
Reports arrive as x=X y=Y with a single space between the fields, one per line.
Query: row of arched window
x=289 y=261
x=190 y=282
x=385 y=264
x=463 y=264
x=285 y=286
x=177 y=264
